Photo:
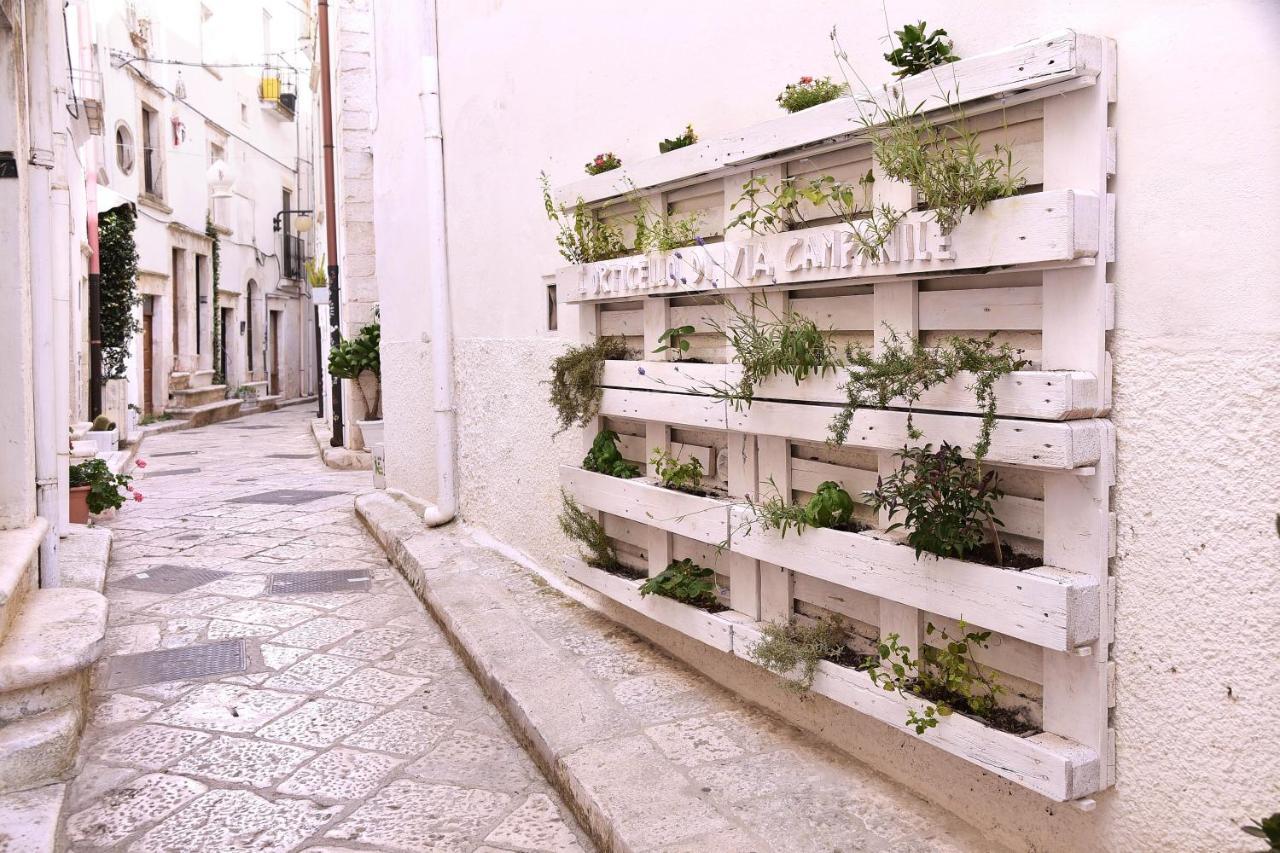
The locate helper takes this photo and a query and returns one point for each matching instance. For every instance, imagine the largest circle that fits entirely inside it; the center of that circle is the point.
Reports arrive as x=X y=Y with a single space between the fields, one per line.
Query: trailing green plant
x=605 y=458
x=102 y=423
x=948 y=677
x=947 y=503
x=353 y=358
x=943 y=162
x=830 y=506
x=919 y=50
x=606 y=162
x=904 y=369
x=770 y=208
x=104 y=486
x=581 y=236
x=117 y=288
x=215 y=261
x=675 y=339
x=582 y=527
x=317 y=276
x=809 y=92
x=1268 y=829
x=684 y=581
x=575 y=380
x=769 y=344
x=792 y=650
x=658 y=233
x=683 y=140
x=677 y=475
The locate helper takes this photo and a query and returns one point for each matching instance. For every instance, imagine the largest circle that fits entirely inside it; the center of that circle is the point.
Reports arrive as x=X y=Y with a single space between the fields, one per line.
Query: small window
x=124 y=149
x=553 y=319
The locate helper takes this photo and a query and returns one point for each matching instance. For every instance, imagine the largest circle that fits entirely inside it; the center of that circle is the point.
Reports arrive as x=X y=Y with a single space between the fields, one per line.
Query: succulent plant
x=102 y=423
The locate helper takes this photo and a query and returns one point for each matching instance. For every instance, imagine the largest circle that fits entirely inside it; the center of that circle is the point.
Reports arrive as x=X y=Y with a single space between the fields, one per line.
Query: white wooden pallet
x=1033 y=266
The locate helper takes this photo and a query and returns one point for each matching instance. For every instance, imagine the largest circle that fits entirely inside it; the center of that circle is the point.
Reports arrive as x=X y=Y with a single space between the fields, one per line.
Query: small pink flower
x=806 y=79
x=137 y=496
x=141 y=463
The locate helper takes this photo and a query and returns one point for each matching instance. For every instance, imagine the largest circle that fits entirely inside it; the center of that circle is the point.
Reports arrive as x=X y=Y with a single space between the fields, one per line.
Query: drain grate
x=169 y=579
x=221 y=658
x=169 y=472
x=173 y=453
x=290 y=455
x=287 y=497
x=342 y=580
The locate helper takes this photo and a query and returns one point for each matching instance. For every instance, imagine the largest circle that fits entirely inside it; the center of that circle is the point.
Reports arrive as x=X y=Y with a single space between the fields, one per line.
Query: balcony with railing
x=294 y=257
x=279 y=88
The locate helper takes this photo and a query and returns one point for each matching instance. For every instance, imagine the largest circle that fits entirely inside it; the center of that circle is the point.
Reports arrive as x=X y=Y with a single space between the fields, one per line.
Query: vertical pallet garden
x=1029 y=269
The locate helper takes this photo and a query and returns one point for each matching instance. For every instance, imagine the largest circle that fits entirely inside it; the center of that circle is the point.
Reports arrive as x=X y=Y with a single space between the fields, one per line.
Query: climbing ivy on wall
x=212 y=234
x=117 y=293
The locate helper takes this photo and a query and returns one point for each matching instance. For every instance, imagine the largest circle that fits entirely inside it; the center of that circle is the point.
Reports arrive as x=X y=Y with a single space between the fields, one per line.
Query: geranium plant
x=683 y=140
x=809 y=92
x=106 y=490
x=606 y=162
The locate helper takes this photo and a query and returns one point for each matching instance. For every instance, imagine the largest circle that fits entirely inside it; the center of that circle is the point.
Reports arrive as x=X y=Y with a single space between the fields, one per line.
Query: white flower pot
x=372 y=432
x=108 y=440
x=319 y=296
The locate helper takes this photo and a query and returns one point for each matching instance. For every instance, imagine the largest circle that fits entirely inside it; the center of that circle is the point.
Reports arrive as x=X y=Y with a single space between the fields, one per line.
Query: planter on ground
x=372 y=432
x=108 y=440
x=78 y=501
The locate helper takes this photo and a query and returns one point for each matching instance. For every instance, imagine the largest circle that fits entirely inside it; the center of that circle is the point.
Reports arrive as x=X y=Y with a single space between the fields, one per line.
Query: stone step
x=208 y=413
x=45 y=659
x=188 y=398
x=201 y=378
x=262 y=404
x=19 y=550
x=179 y=381
x=40 y=749
x=29 y=820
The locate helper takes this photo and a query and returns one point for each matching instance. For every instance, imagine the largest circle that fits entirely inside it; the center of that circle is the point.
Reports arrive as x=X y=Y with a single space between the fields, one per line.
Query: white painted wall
x=548 y=85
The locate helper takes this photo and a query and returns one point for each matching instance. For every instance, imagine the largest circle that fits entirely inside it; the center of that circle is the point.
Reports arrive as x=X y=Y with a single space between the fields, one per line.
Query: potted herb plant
x=357 y=359
x=105 y=434
x=95 y=489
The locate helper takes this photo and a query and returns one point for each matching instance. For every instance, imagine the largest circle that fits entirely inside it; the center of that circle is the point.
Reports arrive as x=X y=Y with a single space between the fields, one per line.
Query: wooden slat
x=838 y=599
x=633 y=450
x=981 y=309
x=702 y=626
x=1038 y=394
x=808 y=474
x=677 y=409
x=1047 y=229
x=1050 y=61
x=1051 y=607
x=703 y=519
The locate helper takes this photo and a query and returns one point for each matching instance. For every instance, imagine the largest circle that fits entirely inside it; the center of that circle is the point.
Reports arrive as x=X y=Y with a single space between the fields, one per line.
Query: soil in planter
x=695 y=491
x=619 y=570
x=1004 y=719
x=849 y=658
x=1014 y=560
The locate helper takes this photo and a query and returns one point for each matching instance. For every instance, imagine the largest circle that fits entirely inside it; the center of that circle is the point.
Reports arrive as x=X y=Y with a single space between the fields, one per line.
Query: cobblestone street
x=325 y=720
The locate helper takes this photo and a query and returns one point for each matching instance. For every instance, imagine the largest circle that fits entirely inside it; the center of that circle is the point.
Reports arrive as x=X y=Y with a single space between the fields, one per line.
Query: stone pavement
x=354 y=726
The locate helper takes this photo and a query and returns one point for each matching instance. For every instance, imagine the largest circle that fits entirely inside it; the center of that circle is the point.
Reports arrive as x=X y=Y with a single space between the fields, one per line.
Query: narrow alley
x=301 y=697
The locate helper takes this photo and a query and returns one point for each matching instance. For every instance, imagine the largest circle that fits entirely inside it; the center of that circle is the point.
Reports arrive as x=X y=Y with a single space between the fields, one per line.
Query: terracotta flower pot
x=79 y=502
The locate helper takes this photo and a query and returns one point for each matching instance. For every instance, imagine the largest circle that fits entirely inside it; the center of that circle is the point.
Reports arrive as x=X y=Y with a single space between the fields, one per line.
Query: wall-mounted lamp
x=301 y=220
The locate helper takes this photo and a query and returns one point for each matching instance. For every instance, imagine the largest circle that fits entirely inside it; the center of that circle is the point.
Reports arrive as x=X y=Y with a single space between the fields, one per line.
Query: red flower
x=137 y=496
x=141 y=463
x=806 y=79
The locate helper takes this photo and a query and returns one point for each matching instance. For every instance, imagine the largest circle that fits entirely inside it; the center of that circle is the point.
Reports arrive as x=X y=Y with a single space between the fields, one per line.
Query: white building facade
x=548 y=87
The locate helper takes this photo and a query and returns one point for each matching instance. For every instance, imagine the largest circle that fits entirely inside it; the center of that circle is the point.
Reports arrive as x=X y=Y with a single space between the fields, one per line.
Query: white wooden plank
x=622 y=323
x=703 y=519
x=981 y=309
x=837 y=313
x=808 y=474
x=1053 y=766
x=838 y=599
x=1049 y=61
x=774 y=477
x=1038 y=394
x=744 y=572
x=625 y=530
x=698 y=624
x=676 y=409
x=1058 y=227
x=1048 y=606
x=1042 y=445
x=1006 y=654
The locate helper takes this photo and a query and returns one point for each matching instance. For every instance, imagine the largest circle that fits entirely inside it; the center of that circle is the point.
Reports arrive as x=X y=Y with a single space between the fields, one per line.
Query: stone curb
x=338 y=457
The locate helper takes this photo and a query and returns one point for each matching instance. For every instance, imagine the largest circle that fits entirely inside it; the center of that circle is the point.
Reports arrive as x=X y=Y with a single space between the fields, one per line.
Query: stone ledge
x=338 y=457
x=30 y=820
x=649 y=755
x=58 y=632
x=83 y=555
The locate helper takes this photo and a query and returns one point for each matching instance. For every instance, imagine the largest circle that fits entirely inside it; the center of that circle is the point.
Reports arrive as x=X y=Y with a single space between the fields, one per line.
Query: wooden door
x=148 y=392
x=274 y=343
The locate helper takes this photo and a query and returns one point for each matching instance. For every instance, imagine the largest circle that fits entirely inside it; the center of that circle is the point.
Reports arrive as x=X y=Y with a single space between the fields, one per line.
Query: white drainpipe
x=446 y=507
x=44 y=367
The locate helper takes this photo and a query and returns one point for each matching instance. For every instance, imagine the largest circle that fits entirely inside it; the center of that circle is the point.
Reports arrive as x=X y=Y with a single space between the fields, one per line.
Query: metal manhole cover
x=341 y=580
x=287 y=497
x=290 y=455
x=169 y=579
x=169 y=472
x=220 y=658
x=173 y=453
